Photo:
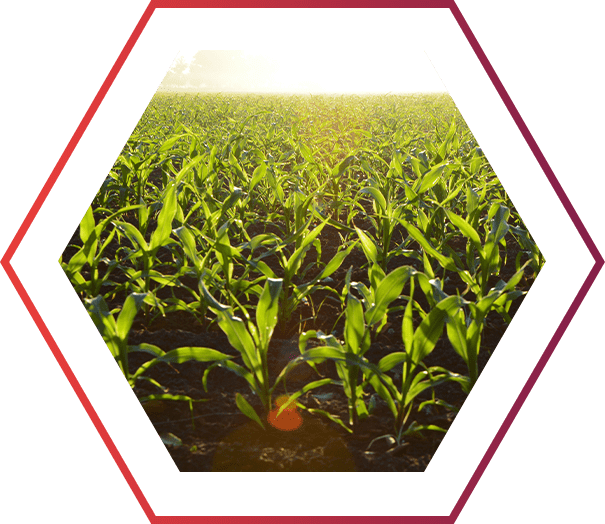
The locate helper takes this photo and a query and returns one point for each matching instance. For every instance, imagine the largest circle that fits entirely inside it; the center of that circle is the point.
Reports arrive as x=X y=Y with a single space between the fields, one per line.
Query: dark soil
x=216 y=436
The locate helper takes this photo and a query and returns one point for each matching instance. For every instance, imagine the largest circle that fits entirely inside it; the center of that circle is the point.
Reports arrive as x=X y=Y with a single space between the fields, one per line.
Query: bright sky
x=314 y=71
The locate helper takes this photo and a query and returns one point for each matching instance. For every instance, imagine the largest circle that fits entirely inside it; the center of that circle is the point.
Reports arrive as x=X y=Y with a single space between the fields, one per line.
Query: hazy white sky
x=312 y=71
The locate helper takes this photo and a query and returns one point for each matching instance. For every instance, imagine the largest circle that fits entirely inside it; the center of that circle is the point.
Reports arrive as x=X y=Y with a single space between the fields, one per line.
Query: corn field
x=367 y=234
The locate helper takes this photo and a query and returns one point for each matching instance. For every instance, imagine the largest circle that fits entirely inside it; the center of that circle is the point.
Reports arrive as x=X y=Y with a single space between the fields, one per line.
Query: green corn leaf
x=391 y=360
x=354 y=326
x=422 y=385
x=383 y=385
x=484 y=305
x=342 y=166
x=277 y=189
x=134 y=235
x=475 y=163
x=457 y=333
x=188 y=167
x=318 y=354
x=334 y=263
x=472 y=200
x=226 y=250
x=164 y=228
x=258 y=174
x=508 y=297
x=198 y=354
x=245 y=407
x=499 y=229
x=76 y=263
x=417 y=166
x=266 y=310
x=264 y=268
x=378 y=197
x=168 y=144
x=130 y=308
x=446 y=262
x=239 y=338
x=210 y=299
x=235 y=195
x=430 y=179
x=414 y=427
x=410 y=194
x=407 y=324
x=331 y=417
x=433 y=370
x=294 y=261
x=465 y=228
x=306 y=153
x=188 y=243
x=388 y=290
x=308 y=387
x=438 y=293
x=260 y=240
x=87 y=225
x=304 y=337
x=101 y=316
x=143 y=214
x=445 y=145
x=150 y=349
x=239 y=170
x=516 y=278
x=423 y=220
x=168 y=396
x=430 y=329
x=180 y=355
x=452 y=194
x=369 y=248
x=500 y=215
x=376 y=276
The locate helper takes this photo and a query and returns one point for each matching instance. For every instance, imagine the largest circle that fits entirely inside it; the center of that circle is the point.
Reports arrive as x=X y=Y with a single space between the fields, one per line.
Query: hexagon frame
x=591 y=276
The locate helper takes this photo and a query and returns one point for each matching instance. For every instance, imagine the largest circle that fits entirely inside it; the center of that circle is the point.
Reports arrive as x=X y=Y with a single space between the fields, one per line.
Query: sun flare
x=303 y=71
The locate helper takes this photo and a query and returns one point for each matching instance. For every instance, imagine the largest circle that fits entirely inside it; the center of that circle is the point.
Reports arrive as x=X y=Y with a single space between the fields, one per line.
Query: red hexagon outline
x=159 y=4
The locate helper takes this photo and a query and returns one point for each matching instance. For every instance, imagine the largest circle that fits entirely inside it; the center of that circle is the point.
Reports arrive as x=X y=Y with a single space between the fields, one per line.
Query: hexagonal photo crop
x=299 y=267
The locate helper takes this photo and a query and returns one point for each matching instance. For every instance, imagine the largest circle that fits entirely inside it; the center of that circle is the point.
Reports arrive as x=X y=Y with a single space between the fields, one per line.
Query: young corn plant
x=429 y=251
x=351 y=364
x=389 y=211
x=213 y=264
x=466 y=322
x=488 y=261
x=115 y=330
x=251 y=340
x=140 y=278
x=91 y=253
x=291 y=266
x=415 y=376
x=383 y=290
x=530 y=248
x=334 y=191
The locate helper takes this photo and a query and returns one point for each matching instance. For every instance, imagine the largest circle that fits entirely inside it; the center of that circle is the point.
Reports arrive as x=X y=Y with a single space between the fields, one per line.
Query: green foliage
x=241 y=210
x=115 y=330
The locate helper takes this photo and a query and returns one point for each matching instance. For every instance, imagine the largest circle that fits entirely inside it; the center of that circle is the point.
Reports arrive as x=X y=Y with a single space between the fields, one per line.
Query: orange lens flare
x=288 y=420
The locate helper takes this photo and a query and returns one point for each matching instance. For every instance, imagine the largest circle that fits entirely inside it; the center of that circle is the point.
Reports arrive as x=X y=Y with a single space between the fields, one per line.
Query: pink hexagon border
x=159 y=4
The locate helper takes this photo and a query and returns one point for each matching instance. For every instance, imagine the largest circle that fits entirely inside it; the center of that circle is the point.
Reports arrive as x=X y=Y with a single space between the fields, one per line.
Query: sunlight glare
x=283 y=70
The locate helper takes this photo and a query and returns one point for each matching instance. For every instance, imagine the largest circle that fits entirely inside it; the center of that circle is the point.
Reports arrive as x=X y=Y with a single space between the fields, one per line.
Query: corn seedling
x=115 y=330
x=415 y=377
x=349 y=358
x=91 y=253
x=251 y=340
